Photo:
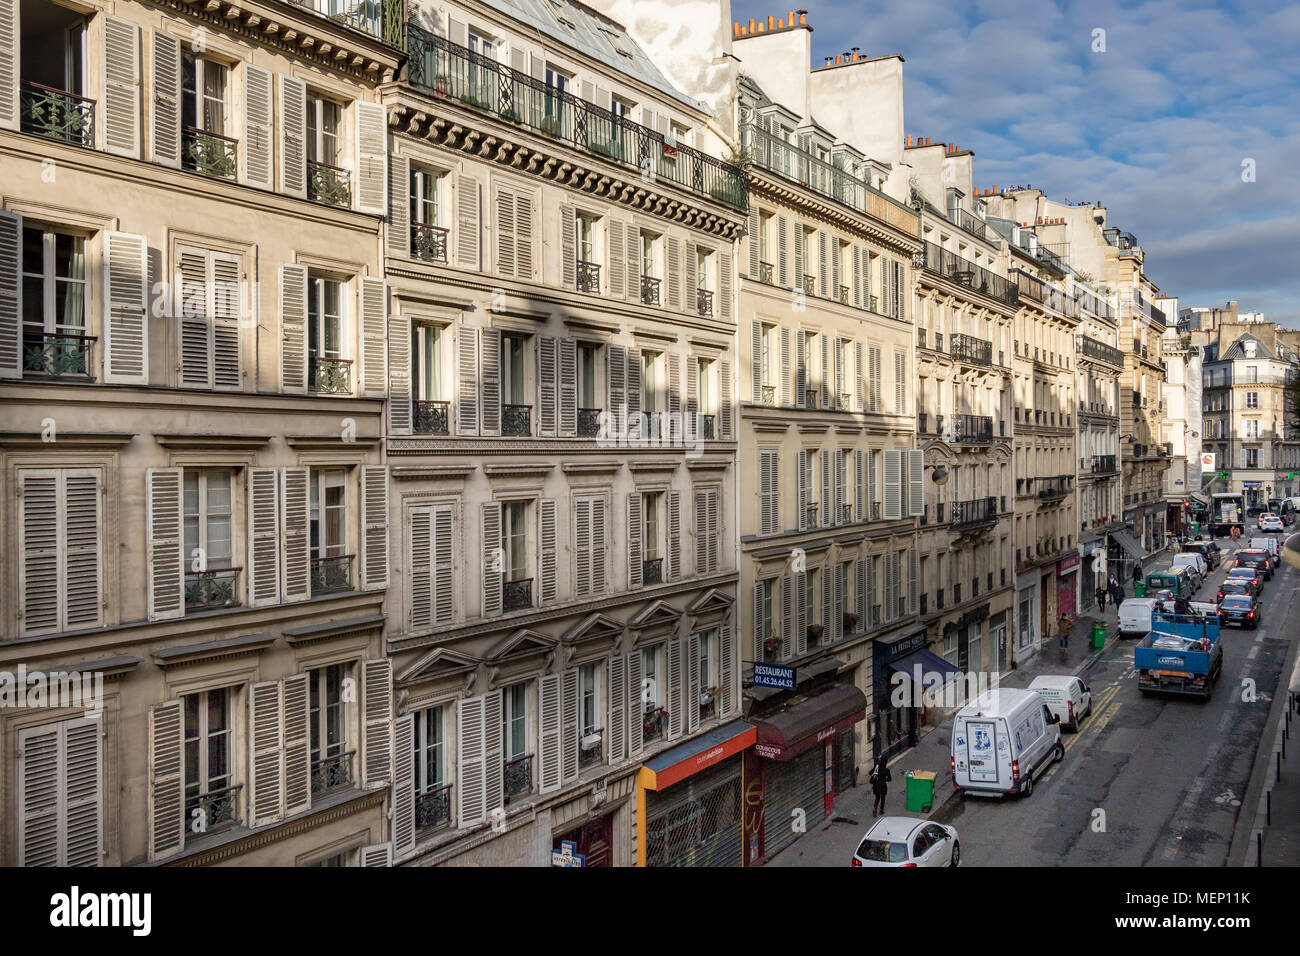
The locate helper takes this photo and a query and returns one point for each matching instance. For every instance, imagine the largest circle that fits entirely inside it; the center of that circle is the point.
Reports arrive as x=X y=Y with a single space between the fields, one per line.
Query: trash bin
x=1139 y=589
x=1098 y=634
x=920 y=791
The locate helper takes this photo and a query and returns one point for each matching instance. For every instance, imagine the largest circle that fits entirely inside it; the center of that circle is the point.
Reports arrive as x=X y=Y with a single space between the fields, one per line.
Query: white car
x=908 y=841
x=1270 y=523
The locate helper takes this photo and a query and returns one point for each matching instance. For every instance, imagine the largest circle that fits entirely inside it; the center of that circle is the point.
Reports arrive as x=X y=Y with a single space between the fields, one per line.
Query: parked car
x=1178 y=580
x=1249 y=575
x=1270 y=522
x=1241 y=610
x=1001 y=740
x=1195 y=565
x=1066 y=696
x=1256 y=558
x=1237 y=586
x=908 y=841
x=1206 y=549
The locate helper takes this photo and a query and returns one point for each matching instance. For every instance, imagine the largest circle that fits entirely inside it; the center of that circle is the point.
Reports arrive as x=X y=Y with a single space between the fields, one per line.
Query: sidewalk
x=825 y=846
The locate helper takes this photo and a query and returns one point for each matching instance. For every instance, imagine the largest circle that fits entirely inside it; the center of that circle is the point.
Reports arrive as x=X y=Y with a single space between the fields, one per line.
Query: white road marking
x=1258 y=638
x=1253 y=651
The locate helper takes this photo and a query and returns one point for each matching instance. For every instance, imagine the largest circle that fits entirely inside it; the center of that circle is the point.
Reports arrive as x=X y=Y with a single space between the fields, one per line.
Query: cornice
x=812 y=206
x=78 y=439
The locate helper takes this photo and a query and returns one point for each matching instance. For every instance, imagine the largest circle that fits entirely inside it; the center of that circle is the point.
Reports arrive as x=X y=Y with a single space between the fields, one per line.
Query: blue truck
x=1181 y=655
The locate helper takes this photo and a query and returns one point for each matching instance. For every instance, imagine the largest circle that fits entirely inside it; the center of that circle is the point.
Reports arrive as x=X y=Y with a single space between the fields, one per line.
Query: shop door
x=595 y=841
x=844 y=760
x=1065 y=595
x=792 y=785
x=696 y=822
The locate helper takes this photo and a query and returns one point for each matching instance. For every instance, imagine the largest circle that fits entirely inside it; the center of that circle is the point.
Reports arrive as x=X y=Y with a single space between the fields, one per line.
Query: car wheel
x=955 y=859
x=1028 y=787
x=1058 y=754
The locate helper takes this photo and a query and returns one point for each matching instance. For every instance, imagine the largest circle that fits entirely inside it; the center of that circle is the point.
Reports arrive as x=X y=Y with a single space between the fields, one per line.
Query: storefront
x=1092 y=571
x=1067 y=586
x=593 y=841
x=1125 y=554
x=1000 y=659
x=1027 y=616
x=689 y=801
x=896 y=723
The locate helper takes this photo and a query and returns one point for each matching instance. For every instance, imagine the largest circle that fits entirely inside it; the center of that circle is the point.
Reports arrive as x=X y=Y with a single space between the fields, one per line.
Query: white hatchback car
x=908 y=841
x=1270 y=523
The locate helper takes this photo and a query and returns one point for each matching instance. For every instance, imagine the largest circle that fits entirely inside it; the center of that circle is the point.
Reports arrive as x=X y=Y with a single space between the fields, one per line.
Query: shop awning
x=926 y=664
x=678 y=763
x=1129 y=544
x=804 y=725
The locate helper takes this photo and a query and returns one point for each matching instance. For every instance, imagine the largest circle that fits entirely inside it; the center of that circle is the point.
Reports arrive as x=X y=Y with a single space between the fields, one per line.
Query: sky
x=1156 y=126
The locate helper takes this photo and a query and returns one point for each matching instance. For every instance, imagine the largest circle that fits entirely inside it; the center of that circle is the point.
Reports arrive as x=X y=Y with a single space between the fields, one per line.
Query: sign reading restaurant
x=773 y=675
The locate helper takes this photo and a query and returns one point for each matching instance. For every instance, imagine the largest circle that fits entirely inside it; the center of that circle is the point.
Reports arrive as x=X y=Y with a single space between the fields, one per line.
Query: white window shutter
x=828 y=400
x=835 y=627
x=724 y=286
x=789 y=623
x=420 y=570
x=295 y=546
x=616 y=382
x=11 y=279
x=257 y=149
x=293 y=136
x=548 y=541
x=860 y=582
x=756 y=361
x=525 y=260
x=674 y=535
x=60 y=577
x=467 y=222
x=635 y=709
x=801 y=614
x=616 y=267
x=860 y=485
x=569 y=726
x=691 y=269
x=377 y=708
x=801 y=368
x=693 y=688
x=783 y=253
x=492 y=559
x=616 y=696
x=827 y=507
x=398 y=233
x=377 y=854
x=547 y=385
x=632 y=260
x=403 y=797
x=399 y=374
x=265 y=754
x=727 y=675
x=192 y=285
x=634 y=393
x=120 y=76
x=701 y=534
x=550 y=772
x=467 y=419
x=893 y=459
x=676 y=691
x=372 y=157
x=568 y=247
x=374 y=527
x=634 y=545
x=493 y=769
x=800 y=266
x=568 y=397
x=692 y=421
x=167 y=823
x=582 y=557
x=598 y=545
x=874 y=355
x=226 y=274
x=489 y=366
x=472 y=733
x=915 y=482
x=724 y=402
x=913 y=580
x=296 y=701
x=165 y=108
x=674 y=397
x=293 y=328
x=673 y=249
x=126 y=321
x=787 y=368
x=503 y=227
x=9 y=64
x=900 y=383
x=263 y=536
x=803 y=489
x=165 y=537
x=755 y=241
x=374 y=337
x=443 y=568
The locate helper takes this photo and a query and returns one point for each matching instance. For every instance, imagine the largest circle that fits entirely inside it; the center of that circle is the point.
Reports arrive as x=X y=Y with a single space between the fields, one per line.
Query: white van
x=1000 y=740
x=1067 y=697
x=1270 y=545
x=1135 y=617
x=1194 y=563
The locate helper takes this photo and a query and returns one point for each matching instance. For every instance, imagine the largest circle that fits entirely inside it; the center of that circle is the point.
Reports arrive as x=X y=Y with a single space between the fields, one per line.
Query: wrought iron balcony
x=844 y=295
x=973 y=513
x=516 y=595
x=216 y=587
x=431 y=418
x=433 y=808
x=331 y=772
x=331 y=574
x=707 y=430
x=1057 y=486
x=594 y=754
x=588 y=276
x=766 y=272
x=218 y=809
x=920 y=338
x=517 y=776
x=589 y=422
x=331 y=376
x=57 y=114
x=973 y=351
x=973 y=429
x=810 y=515
x=873 y=303
x=209 y=154
x=1103 y=464
x=451 y=71
x=516 y=421
x=652 y=571
x=704 y=301
x=381 y=19
x=769 y=396
x=56 y=354
x=972 y=224
x=428 y=242
x=808 y=284
x=1030 y=287
x=964 y=272
x=331 y=185
x=654 y=723
x=650 y=290
x=1091 y=348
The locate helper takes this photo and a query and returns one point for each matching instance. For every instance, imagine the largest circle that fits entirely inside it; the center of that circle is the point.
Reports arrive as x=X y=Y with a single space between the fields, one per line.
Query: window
x=482 y=75
x=950 y=647
x=59 y=539
x=1252 y=428
x=514 y=385
x=1252 y=458
x=1252 y=374
x=653 y=694
x=650 y=268
x=586 y=236
x=211 y=579
x=54 y=303
x=768 y=362
x=428 y=233
x=556 y=85
x=322 y=130
x=330 y=562
x=704 y=389
x=650 y=548
x=331 y=761
x=1252 y=399
x=518 y=769
x=432 y=791
x=209 y=745
x=431 y=410
x=651 y=386
x=331 y=371
x=203 y=95
x=63 y=763
x=765 y=253
x=764 y=626
x=514 y=539
x=589 y=396
x=707 y=675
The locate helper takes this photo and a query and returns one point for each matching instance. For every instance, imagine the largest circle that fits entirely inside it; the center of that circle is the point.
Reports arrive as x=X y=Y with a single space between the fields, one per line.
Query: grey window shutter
x=782 y=253
x=474 y=731
x=569 y=729
x=675 y=690
x=727 y=675
x=263 y=497
x=568 y=413
x=757 y=622
x=634 y=544
x=827 y=510
x=860 y=485
x=828 y=400
x=616 y=267
x=165 y=107
x=616 y=382
x=467 y=222
x=872 y=493
x=399 y=374
x=467 y=395
x=857 y=276
x=9 y=64
x=419 y=570
x=372 y=158
x=754 y=243
x=293 y=135
x=374 y=527
x=673 y=267
x=900 y=383
x=493 y=560
x=789 y=622
x=874 y=354
x=860 y=576
x=295 y=553
x=632 y=262
x=823 y=273
x=257 y=148
x=120 y=62
x=692 y=420
x=11 y=282
x=265 y=752
x=444 y=549
x=828 y=606
x=756 y=360
x=634 y=392
x=166 y=778
x=692 y=702
x=403 y=799
x=616 y=735
x=836 y=625
x=547 y=385
x=126 y=321
x=456 y=32
x=548 y=541
x=489 y=368
x=724 y=404
x=801 y=368
x=503 y=227
x=296 y=702
x=374 y=337
x=913 y=580
x=860 y=388
x=701 y=534
x=787 y=368
x=915 y=482
x=598 y=557
x=166 y=561
x=801 y=614
x=674 y=397
x=724 y=285
x=797 y=239
x=568 y=247
x=635 y=705
x=549 y=726
x=803 y=489
x=398 y=233
x=893 y=484
x=293 y=328
x=839 y=487
x=525 y=261
x=674 y=535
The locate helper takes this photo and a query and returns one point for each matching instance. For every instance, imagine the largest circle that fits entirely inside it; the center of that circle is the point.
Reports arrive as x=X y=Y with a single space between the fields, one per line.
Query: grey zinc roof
x=1236 y=351
x=595 y=35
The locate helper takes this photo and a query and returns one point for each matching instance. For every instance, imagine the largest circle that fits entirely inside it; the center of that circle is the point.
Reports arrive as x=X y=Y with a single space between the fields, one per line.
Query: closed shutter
x=374 y=527
x=788 y=621
x=472 y=733
x=801 y=614
x=9 y=65
x=823 y=245
x=377 y=854
x=673 y=247
x=691 y=298
x=126 y=352
x=701 y=534
x=548 y=540
x=489 y=368
x=893 y=484
x=915 y=482
x=263 y=536
x=568 y=397
x=692 y=420
x=293 y=328
x=859 y=380
x=493 y=770
x=632 y=261
x=403 y=827
x=165 y=109
x=727 y=672
x=801 y=368
x=467 y=380
x=757 y=621
x=11 y=289
x=467 y=222
x=870 y=601
x=900 y=383
x=634 y=393
x=226 y=274
x=265 y=752
x=493 y=561
x=859 y=485
x=443 y=569
x=398 y=233
x=767 y=503
x=616 y=376
x=525 y=259
x=913 y=580
x=863 y=605
x=857 y=276
x=399 y=374
x=674 y=535
x=208 y=302
x=296 y=701
x=293 y=136
x=166 y=780
x=724 y=286
x=674 y=397
x=372 y=157
x=693 y=688
x=550 y=725
x=827 y=505
x=82 y=582
x=802 y=484
x=676 y=690
x=377 y=707
x=782 y=254
x=787 y=368
x=828 y=399
x=166 y=563
x=828 y=604
x=799 y=265
x=295 y=572
x=873 y=352
x=635 y=710
x=616 y=735
x=503 y=226
x=840 y=468
x=568 y=246
x=582 y=546
x=872 y=479
x=724 y=403
x=634 y=579
x=755 y=242
x=617 y=269
x=547 y=383
x=836 y=628
x=796 y=784
x=598 y=545
x=756 y=361
x=59 y=529
x=420 y=570
x=715 y=535
x=120 y=58
x=569 y=726
x=374 y=343
x=257 y=167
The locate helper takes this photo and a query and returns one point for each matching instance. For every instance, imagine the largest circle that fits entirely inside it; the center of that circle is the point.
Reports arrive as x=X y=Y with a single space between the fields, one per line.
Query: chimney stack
x=803 y=17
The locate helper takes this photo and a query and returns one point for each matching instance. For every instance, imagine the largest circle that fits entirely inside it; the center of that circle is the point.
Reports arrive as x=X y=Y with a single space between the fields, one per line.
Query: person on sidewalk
x=880 y=777
x=1063 y=626
x=1137 y=575
x=1101 y=598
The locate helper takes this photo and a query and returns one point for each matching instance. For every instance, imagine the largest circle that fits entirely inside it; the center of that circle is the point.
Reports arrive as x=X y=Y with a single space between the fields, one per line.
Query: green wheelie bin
x=1140 y=589
x=920 y=791
x=1098 y=634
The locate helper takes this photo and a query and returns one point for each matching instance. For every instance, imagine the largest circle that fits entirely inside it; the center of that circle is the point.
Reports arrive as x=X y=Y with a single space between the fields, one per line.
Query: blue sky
x=1156 y=127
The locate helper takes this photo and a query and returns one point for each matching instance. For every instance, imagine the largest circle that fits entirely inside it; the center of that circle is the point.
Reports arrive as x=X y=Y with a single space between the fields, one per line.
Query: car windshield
x=1237 y=602
x=883 y=851
x=1234 y=587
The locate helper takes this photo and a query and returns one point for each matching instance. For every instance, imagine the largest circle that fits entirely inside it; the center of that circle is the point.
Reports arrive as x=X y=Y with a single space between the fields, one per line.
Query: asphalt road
x=1148 y=780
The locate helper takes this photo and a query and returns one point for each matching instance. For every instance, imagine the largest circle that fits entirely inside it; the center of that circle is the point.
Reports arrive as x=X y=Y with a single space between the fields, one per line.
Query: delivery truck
x=1181 y=655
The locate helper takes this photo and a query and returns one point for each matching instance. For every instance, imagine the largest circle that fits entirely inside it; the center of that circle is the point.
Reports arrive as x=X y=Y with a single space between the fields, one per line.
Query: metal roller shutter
x=696 y=822
x=789 y=785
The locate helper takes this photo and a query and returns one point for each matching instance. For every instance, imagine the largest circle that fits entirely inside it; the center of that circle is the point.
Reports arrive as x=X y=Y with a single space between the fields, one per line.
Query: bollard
x=1279 y=766
x=1268 y=809
x=1259 y=849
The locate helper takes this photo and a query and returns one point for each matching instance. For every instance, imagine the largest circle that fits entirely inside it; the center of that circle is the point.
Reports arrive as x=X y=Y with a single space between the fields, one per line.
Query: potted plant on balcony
x=772 y=645
x=815 y=633
x=441 y=85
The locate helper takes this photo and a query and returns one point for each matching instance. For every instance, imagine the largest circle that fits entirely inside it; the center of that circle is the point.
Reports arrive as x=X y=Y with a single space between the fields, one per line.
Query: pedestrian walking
x=1063 y=626
x=880 y=777
x=1137 y=574
x=1101 y=598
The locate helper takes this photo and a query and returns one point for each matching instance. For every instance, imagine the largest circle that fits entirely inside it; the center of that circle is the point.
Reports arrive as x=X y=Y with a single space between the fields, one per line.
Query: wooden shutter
x=293 y=328
x=915 y=482
x=756 y=361
x=828 y=400
x=801 y=614
x=828 y=606
x=803 y=490
x=724 y=404
x=676 y=690
x=568 y=246
x=9 y=64
x=225 y=308
x=857 y=275
x=674 y=535
x=165 y=537
x=569 y=726
x=675 y=433
x=374 y=527
x=398 y=233
x=489 y=368
x=616 y=378
x=374 y=343
x=472 y=733
x=616 y=259
x=547 y=375
x=874 y=355
x=823 y=273
x=372 y=157
x=568 y=398
x=550 y=772
x=801 y=368
x=900 y=383
x=872 y=478
x=503 y=226
x=691 y=269
x=82 y=584
x=632 y=261
x=635 y=710
x=120 y=113
x=913 y=580
x=787 y=368
x=727 y=683
x=766 y=497
x=548 y=541
x=293 y=136
x=256 y=149
x=377 y=708
x=11 y=287
x=420 y=570
x=634 y=393
x=377 y=854
x=691 y=422
x=582 y=557
x=467 y=222
x=443 y=569
x=827 y=518
x=755 y=224
x=757 y=622
x=616 y=734
x=788 y=620
x=295 y=545
x=166 y=779
x=692 y=702
x=862 y=609
x=403 y=798
x=399 y=374
x=126 y=324
x=799 y=265
x=296 y=702
x=634 y=552
x=701 y=534
x=467 y=396
x=263 y=536
x=673 y=248
x=598 y=545
x=860 y=385
x=893 y=484
x=492 y=575
x=724 y=286
x=859 y=486
x=714 y=536
x=165 y=108
x=782 y=253
x=493 y=767
x=265 y=752
x=839 y=486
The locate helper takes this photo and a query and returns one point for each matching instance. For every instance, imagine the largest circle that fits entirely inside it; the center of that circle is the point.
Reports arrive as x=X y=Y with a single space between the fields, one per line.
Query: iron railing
x=1055 y=486
x=331 y=574
x=1103 y=464
x=844 y=295
x=766 y=272
x=649 y=290
x=588 y=276
x=517 y=776
x=57 y=114
x=973 y=429
x=331 y=375
x=447 y=69
x=218 y=809
x=56 y=354
x=652 y=571
x=1029 y=286
x=704 y=301
x=589 y=422
x=654 y=724
x=516 y=420
x=433 y=808
x=975 y=512
x=973 y=351
x=972 y=224
x=590 y=756
x=964 y=272
x=330 y=772
x=808 y=284
x=428 y=242
x=216 y=587
x=431 y=418
x=331 y=185
x=769 y=396
x=1093 y=349
x=706 y=426
x=381 y=19
x=209 y=154
x=516 y=595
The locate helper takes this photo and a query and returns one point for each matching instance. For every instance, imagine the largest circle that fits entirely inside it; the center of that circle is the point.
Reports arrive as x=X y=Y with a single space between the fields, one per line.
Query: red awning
x=806 y=724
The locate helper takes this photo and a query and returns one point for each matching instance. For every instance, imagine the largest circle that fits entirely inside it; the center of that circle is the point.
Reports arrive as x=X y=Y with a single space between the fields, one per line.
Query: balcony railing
x=766 y=272
x=1103 y=464
x=704 y=301
x=654 y=723
x=873 y=301
x=1057 y=486
x=810 y=515
x=1100 y=351
x=431 y=418
x=973 y=429
x=331 y=574
x=964 y=272
x=516 y=595
x=517 y=776
x=652 y=571
x=594 y=754
x=516 y=421
x=218 y=809
x=381 y=19
x=588 y=276
x=217 y=587
x=707 y=423
x=56 y=354
x=331 y=375
x=650 y=290
x=331 y=772
x=209 y=154
x=57 y=114
x=428 y=242
x=973 y=351
x=808 y=284
x=972 y=224
x=769 y=396
x=433 y=808
x=1029 y=286
x=449 y=70
x=329 y=184
x=971 y=514
x=844 y=295
x=589 y=422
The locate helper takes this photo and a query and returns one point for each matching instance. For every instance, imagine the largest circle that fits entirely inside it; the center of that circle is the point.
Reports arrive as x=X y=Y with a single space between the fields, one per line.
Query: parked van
x=1001 y=740
x=1271 y=545
x=1195 y=565
x=1206 y=549
x=1067 y=697
x=1135 y=617
x=1175 y=580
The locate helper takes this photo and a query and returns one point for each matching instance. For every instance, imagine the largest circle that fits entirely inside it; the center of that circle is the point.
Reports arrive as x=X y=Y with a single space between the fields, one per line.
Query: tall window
x=327 y=525
x=512 y=368
x=54 y=302
x=207 y=527
x=330 y=368
x=1252 y=399
x=322 y=130
x=586 y=233
x=330 y=763
x=648 y=254
x=651 y=387
x=588 y=363
x=425 y=184
x=589 y=698
x=514 y=722
x=514 y=539
x=209 y=743
x=483 y=74
x=765 y=244
x=556 y=85
x=203 y=95
x=426 y=362
x=703 y=385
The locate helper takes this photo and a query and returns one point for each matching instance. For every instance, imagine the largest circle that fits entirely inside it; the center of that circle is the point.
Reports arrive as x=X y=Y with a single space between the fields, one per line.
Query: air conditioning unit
x=591 y=741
